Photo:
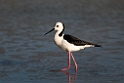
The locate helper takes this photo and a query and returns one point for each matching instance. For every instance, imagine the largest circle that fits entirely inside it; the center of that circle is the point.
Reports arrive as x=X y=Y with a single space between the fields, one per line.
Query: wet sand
x=26 y=55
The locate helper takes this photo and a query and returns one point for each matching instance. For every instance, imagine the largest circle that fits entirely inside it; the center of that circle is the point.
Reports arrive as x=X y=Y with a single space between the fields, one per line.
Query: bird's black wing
x=77 y=41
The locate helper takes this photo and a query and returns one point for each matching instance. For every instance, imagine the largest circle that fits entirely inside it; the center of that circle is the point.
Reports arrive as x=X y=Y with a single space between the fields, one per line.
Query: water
x=26 y=55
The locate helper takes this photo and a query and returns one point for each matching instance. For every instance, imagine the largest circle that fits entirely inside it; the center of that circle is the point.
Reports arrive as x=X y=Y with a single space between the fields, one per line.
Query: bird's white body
x=64 y=45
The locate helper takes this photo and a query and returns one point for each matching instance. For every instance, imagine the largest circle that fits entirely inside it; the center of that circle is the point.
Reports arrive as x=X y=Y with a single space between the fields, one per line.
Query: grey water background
x=27 y=56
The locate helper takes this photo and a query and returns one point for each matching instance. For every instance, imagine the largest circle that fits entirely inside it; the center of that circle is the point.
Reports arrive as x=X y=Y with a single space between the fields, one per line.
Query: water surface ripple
x=26 y=55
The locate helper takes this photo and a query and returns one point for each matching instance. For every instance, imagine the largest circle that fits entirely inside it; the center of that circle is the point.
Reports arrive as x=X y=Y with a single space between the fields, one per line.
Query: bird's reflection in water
x=71 y=78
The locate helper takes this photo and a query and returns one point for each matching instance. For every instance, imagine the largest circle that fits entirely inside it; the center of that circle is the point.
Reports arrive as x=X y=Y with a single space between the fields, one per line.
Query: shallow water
x=26 y=55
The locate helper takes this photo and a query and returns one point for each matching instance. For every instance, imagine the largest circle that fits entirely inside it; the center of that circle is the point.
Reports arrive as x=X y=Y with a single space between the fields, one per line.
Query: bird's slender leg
x=76 y=66
x=69 y=62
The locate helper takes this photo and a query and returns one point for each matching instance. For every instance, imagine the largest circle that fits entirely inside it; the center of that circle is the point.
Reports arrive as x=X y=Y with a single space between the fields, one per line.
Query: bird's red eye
x=57 y=25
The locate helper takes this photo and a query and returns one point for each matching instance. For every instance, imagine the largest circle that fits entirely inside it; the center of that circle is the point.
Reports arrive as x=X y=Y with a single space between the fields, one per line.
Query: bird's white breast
x=58 y=40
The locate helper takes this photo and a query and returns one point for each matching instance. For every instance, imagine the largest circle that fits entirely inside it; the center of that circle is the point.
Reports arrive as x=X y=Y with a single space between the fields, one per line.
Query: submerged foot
x=65 y=69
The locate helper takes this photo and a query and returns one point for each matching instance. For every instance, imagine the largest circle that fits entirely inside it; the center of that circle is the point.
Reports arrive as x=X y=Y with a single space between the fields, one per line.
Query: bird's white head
x=59 y=27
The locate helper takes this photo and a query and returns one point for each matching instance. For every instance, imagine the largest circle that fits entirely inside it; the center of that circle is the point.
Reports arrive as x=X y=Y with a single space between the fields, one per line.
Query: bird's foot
x=65 y=69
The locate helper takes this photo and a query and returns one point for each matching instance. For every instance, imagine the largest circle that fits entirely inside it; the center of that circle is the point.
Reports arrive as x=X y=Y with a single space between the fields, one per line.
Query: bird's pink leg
x=76 y=66
x=69 y=62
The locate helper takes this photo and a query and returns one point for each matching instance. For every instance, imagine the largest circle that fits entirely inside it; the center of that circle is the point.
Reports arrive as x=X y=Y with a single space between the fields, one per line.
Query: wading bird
x=69 y=43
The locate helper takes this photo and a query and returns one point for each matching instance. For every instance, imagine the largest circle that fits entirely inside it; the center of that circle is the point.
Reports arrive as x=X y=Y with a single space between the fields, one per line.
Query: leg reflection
x=71 y=78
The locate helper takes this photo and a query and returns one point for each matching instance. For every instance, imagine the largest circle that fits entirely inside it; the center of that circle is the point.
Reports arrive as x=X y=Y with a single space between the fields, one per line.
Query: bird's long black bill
x=49 y=31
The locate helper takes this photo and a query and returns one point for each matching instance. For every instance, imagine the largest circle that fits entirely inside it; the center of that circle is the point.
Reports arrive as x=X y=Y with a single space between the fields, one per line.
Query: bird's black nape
x=62 y=30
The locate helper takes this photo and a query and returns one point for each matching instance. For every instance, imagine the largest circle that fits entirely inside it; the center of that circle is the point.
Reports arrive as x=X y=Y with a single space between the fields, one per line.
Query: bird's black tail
x=97 y=45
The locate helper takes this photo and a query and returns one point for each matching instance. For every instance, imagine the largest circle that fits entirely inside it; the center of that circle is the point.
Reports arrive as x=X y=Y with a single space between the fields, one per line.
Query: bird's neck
x=60 y=32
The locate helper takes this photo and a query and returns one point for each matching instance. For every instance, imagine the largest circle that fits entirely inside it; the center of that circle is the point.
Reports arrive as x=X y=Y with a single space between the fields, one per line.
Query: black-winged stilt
x=69 y=43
